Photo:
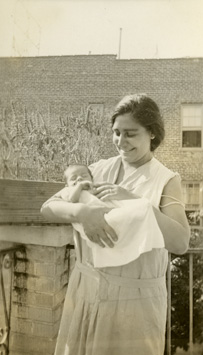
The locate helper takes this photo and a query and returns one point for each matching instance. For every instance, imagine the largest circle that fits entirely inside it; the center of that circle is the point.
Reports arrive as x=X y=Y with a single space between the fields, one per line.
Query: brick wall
x=41 y=266
x=37 y=301
x=57 y=85
x=41 y=276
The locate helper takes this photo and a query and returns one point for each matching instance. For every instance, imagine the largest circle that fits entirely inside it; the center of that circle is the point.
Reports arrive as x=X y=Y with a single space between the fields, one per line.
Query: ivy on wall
x=37 y=144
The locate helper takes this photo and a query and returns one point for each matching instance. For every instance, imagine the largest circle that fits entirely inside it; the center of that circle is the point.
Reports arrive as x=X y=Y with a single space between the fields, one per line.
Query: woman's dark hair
x=146 y=112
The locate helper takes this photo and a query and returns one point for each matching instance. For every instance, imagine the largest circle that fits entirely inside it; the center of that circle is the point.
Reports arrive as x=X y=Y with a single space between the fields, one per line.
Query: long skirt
x=115 y=311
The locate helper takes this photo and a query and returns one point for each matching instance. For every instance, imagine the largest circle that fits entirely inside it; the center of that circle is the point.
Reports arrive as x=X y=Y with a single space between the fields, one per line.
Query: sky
x=127 y=28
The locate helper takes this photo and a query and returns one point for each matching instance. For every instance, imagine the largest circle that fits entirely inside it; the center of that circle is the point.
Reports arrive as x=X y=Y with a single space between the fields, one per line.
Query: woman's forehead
x=126 y=122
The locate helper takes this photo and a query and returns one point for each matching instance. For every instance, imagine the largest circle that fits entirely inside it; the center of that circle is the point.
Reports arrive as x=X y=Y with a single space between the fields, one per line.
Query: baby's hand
x=86 y=185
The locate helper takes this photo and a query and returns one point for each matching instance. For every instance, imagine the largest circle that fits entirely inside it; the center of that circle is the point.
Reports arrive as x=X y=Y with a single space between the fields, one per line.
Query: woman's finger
x=108 y=196
x=104 y=193
x=98 y=241
x=98 y=189
x=111 y=232
x=102 y=239
x=107 y=240
x=103 y=184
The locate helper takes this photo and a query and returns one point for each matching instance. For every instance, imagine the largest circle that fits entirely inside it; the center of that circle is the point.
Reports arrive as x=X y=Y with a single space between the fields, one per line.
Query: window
x=192 y=125
x=192 y=196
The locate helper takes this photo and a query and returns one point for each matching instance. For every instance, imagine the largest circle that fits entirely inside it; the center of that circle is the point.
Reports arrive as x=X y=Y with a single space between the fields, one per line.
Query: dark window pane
x=192 y=139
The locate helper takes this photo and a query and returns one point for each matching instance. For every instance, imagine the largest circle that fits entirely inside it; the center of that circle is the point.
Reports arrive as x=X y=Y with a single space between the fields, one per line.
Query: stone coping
x=45 y=235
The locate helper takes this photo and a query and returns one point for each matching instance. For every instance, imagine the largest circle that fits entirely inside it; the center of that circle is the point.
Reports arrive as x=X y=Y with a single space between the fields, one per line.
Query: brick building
x=51 y=88
x=68 y=82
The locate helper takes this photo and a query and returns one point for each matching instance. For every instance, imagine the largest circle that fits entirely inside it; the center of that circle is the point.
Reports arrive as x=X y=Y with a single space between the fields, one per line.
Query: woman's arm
x=172 y=219
x=92 y=218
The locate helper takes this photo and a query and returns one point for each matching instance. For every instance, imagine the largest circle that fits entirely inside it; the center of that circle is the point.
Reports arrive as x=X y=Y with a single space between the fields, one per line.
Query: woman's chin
x=128 y=156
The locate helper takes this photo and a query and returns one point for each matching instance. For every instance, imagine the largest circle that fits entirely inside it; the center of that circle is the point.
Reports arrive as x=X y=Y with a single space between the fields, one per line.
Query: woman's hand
x=107 y=191
x=95 y=226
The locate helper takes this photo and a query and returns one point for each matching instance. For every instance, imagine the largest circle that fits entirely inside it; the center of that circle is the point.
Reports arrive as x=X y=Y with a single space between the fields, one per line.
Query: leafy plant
x=180 y=296
x=38 y=144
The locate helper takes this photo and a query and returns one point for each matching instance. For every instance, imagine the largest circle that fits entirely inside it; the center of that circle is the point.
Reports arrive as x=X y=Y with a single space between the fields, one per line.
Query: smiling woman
x=138 y=129
x=128 y=137
x=144 y=115
x=132 y=296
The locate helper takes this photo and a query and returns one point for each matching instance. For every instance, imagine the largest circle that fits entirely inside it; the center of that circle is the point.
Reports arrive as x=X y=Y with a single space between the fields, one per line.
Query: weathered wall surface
x=56 y=86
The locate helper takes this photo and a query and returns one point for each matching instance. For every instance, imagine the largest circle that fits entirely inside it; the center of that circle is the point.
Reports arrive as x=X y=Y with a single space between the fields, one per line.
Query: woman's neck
x=138 y=163
x=127 y=168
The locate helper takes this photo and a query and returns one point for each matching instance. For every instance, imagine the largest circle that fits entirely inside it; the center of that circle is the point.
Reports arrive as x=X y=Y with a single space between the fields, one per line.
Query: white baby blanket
x=135 y=225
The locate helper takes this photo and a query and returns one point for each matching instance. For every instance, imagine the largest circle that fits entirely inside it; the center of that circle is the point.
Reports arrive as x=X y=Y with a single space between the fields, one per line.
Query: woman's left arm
x=172 y=218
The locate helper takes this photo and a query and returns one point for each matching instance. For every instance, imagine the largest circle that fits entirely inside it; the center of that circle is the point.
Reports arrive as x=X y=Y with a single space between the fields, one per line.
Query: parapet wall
x=41 y=266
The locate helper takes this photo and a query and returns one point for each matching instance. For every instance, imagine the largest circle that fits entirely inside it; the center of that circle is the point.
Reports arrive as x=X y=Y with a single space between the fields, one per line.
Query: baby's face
x=76 y=174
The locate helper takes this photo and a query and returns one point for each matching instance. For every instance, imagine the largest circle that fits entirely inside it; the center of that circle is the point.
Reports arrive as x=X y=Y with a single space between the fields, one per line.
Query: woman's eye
x=130 y=135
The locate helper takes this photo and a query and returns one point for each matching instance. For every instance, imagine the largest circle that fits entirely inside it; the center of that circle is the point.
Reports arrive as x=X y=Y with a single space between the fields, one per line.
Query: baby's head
x=76 y=173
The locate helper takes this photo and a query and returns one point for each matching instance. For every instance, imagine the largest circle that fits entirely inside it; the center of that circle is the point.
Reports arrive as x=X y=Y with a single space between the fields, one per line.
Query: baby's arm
x=72 y=194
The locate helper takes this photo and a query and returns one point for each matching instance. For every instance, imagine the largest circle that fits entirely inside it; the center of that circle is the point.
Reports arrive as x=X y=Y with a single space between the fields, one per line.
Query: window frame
x=191 y=128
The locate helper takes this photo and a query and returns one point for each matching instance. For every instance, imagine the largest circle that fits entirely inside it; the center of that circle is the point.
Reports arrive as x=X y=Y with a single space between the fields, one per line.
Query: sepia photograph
x=101 y=177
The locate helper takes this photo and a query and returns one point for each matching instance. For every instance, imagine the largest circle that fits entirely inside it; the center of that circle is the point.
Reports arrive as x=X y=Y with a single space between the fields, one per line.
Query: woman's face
x=131 y=140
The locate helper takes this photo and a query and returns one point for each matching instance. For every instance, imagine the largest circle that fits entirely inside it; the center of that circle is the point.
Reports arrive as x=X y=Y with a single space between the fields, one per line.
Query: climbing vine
x=37 y=144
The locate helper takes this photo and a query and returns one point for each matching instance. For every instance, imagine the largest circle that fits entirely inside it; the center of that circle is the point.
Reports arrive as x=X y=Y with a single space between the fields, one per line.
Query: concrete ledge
x=45 y=235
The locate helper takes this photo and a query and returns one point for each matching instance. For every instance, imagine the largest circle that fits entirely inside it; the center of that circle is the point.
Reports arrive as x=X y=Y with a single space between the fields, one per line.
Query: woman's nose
x=121 y=140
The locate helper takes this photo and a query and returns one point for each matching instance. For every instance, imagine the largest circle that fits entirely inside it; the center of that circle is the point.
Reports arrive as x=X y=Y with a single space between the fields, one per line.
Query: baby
x=133 y=220
x=77 y=178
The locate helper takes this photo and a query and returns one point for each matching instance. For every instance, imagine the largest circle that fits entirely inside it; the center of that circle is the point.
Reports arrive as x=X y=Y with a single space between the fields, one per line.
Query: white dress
x=118 y=310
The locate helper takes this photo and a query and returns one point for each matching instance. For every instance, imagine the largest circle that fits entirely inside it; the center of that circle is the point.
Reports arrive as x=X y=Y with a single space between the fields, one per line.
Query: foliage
x=194 y=217
x=180 y=296
x=34 y=146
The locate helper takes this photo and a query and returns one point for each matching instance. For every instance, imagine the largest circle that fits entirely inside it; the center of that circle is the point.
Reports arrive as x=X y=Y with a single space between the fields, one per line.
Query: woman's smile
x=125 y=151
x=131 y=139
